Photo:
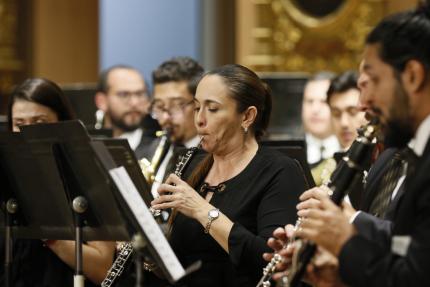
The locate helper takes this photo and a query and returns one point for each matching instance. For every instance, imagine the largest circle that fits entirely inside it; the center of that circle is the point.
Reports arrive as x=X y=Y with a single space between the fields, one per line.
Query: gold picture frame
x=286 y=38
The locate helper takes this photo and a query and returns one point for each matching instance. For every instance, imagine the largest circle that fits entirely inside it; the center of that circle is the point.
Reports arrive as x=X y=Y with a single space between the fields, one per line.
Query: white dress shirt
x=315 y=146
x=133 y=137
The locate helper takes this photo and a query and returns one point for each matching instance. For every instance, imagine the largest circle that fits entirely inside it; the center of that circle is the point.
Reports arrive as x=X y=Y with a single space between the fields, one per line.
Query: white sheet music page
x=147 y=222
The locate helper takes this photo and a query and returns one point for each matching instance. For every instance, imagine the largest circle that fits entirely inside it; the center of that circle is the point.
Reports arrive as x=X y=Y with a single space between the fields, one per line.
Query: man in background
x=343 y=98
x=175 y=82
x=123 y=97
x=320 y=141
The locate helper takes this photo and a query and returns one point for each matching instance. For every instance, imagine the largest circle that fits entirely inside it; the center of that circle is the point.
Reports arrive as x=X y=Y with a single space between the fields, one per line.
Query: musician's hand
x=176 y=193
x=310 y=198
x=323 y=271
x=279 y=243
x=325 y=224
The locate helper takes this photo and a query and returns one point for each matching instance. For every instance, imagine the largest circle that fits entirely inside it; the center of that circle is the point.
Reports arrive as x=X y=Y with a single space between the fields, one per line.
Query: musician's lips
x=349 y=136
x=133 y=114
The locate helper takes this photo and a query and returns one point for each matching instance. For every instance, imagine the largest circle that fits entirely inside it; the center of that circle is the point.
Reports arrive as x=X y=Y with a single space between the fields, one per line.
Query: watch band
x=208 y=225
x=211 y=219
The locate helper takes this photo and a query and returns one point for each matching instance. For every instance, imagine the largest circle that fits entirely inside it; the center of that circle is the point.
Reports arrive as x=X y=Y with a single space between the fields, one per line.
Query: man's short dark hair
x=342 y=83
x=402 y=37
x=179 y=69
x=103 y=85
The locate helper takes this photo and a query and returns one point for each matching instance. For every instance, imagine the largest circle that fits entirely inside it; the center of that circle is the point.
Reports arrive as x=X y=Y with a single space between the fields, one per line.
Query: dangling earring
x=245 y=129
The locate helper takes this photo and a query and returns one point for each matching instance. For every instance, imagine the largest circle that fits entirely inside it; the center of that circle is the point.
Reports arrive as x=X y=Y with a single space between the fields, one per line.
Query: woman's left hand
x=176 y=193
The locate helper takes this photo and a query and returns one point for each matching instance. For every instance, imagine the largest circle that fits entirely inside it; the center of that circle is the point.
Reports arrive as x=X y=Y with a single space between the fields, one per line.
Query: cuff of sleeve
x=352 y=219
x=236 y=244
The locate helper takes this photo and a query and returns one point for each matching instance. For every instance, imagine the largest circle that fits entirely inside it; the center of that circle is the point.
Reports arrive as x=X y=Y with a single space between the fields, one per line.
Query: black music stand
x=123 y=155
x=142 y=221
x=85 y=166
x=41 y=177
x=21 y=200
x=8 y=217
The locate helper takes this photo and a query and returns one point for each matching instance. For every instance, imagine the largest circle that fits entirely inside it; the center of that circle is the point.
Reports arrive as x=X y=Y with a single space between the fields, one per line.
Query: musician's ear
x=414 y=76
x=249 y=116
x=100 y=100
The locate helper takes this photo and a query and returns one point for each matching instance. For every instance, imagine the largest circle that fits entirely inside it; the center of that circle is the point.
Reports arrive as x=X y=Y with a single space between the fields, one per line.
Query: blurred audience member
x=320 y=141
x=123 y=97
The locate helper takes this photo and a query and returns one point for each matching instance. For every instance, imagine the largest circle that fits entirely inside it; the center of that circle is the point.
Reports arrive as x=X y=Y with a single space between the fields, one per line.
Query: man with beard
x=397 y=60
x=122 y=96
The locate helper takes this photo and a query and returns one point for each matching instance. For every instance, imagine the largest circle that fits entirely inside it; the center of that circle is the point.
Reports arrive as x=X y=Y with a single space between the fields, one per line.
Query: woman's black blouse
x=258 y=200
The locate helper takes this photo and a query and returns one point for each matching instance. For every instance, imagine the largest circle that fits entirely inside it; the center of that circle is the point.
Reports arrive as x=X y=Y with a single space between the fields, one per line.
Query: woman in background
x=49 y=263
x=239 y=193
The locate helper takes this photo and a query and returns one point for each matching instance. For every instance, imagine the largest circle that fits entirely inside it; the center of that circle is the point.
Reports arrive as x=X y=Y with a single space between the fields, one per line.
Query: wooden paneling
x=245 y=21
x=65 y=40
x=13 y=40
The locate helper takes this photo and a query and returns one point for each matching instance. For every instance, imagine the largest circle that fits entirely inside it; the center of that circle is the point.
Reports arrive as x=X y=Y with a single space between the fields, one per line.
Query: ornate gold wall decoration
x=314 y=35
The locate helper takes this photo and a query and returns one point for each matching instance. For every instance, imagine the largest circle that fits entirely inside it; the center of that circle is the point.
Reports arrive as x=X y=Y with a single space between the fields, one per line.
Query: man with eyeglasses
x=175 y=82
x=122 y=96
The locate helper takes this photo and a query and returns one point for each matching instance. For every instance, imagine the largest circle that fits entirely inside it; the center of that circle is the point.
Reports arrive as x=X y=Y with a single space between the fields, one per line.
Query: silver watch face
x=214 y=213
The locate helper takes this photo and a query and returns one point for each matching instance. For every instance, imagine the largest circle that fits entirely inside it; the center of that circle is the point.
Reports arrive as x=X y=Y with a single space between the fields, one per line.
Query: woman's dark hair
x=247 y=89
x=342 y=83
x=44 y=92
x=403 y=37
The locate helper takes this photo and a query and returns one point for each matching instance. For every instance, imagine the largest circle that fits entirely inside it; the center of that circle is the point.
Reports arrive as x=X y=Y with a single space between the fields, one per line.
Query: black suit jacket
x=403 y=259
x=146 y=148
x=369 y=226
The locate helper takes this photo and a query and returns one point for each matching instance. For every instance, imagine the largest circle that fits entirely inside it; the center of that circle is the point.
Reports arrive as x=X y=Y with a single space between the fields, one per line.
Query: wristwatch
x=213 y=214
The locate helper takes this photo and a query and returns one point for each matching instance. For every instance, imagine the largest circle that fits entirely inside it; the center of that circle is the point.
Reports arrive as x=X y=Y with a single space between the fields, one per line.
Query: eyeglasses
x=350 y=111
x=126 y=96
x=175 y=109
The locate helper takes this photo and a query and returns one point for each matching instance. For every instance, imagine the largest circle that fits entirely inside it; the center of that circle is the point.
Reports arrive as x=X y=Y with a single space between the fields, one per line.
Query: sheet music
x=147 y=222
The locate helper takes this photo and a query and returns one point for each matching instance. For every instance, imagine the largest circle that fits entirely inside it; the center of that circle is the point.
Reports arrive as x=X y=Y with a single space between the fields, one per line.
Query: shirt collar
x=133 y=137
x=422 y=134
x=328 y=141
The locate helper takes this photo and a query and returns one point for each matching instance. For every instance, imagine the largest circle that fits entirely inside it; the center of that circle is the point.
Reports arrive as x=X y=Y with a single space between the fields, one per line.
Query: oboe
x=342 y=179
x=126 y=249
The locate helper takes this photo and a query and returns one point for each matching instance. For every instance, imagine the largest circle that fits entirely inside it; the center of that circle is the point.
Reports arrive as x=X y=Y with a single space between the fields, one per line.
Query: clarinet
x=126 y=249
x=118 y=266
x=343 y=178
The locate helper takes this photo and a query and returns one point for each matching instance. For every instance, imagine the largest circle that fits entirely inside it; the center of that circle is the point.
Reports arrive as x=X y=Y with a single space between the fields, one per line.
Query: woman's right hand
x=176 y=193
